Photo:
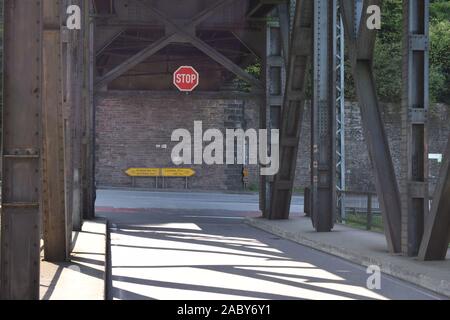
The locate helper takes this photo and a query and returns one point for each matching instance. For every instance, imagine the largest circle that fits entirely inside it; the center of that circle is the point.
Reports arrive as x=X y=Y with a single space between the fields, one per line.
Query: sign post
x=160 y=172
x=186 y=79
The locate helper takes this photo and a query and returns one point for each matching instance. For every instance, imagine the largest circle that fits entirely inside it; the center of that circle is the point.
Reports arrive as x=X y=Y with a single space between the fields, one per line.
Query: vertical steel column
x=339 y=47
x=76 y=46
x=299 y=61
x=264 y=188
x=292 y=8
x=285 y=30
x=89 y=192
x=361 y=48
x=54 y=201
x=436 y=234
x=1 y=53
x=66 y=81
x=323 y=115
x=275 y=75
x=415 y=103
x=21 y=153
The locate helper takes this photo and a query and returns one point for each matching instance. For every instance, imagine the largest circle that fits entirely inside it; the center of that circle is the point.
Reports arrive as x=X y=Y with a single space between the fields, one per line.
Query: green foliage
x=388 y=70
x=252 y=69
x=388 y=54
x=437 y=84
x=440 y=60
x=440 y=10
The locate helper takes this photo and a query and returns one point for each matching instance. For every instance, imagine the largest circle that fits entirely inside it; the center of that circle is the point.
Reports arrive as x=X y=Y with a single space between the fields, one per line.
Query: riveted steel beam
x=415 y=104
x=179 y=33
x=56 y=247
x=300 y=59
x=22 y=150
x=88 y=116
x=275 y=78
x=104 y=36
x=285 y=28
x=71 y=56
x=361 y=49
x=323 y=146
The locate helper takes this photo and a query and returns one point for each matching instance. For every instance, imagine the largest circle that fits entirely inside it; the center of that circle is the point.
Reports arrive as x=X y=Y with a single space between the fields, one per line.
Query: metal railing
x=361 y=209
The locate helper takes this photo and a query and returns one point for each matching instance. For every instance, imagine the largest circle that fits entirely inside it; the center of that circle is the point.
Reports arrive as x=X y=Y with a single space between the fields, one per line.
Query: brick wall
x=131 y=124
x=358 y=177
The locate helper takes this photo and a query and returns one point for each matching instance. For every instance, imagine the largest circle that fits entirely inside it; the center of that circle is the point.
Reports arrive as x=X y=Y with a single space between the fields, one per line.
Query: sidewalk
x=364 y=248
x=83 y=278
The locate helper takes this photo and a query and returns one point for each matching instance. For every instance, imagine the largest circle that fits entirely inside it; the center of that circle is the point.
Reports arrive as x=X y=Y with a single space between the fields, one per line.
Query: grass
x=358 y=220
x=297 y=191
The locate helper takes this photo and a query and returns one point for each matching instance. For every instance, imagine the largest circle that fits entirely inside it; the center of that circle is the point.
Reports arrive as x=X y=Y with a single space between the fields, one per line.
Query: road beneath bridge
x=170 y=245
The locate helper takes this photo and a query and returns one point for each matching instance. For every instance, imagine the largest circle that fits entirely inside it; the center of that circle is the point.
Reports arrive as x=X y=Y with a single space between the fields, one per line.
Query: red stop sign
x=186 y=78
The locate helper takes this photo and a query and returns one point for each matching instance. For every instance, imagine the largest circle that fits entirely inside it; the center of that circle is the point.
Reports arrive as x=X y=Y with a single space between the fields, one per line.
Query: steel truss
x=414 y=182
x=48 y=169
x=299 y=62
x=176 y=32
x=277 y=34
x=361 y=42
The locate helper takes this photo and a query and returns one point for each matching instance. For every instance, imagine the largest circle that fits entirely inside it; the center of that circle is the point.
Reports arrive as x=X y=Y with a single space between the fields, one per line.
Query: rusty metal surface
x=300 y=59
x=88 y=116
x=54 y=196
x=415 y=105
x=21 y=155
x=361 y=49
x=323 y=135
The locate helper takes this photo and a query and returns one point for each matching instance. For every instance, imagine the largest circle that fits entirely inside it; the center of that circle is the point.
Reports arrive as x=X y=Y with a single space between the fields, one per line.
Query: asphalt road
x=202 y=200
x=187 y=246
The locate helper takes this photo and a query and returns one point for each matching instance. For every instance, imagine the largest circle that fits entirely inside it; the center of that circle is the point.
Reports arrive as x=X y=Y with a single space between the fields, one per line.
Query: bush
x=388 y=53
x=440 y=60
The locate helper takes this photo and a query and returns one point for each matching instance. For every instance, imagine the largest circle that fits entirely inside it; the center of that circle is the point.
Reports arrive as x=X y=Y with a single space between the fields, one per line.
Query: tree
x=388 y=51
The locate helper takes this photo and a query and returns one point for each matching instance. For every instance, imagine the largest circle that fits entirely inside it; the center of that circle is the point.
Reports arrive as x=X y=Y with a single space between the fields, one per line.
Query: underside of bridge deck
x=52 y=75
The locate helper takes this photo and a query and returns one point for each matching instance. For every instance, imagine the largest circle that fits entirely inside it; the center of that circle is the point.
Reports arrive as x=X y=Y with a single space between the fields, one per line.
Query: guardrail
x=368 y=216
x=362 y=209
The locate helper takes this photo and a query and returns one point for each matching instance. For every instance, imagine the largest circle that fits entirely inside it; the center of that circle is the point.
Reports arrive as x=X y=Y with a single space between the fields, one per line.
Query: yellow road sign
x=143 y=172
x=178 y=172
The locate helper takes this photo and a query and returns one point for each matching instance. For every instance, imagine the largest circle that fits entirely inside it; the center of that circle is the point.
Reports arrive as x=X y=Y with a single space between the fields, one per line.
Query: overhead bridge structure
x=53 y=70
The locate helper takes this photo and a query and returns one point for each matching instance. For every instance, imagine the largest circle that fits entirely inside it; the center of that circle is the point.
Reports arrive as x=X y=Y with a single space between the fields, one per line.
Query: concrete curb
x=396 y=266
